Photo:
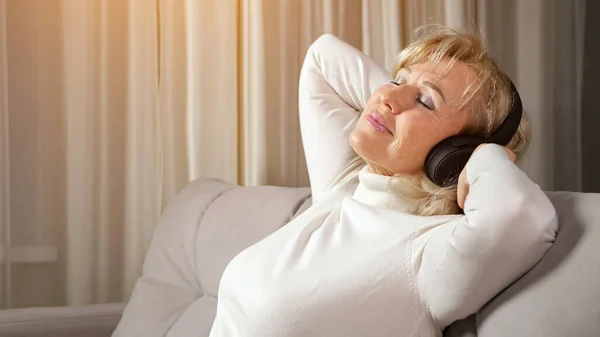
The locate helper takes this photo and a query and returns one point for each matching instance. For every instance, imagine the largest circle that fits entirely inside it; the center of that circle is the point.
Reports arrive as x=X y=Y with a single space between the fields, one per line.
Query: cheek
x=409 y=127
x=417 y=134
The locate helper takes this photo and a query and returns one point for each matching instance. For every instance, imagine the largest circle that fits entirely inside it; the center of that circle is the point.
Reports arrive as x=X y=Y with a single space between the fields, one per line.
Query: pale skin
x=405 y=119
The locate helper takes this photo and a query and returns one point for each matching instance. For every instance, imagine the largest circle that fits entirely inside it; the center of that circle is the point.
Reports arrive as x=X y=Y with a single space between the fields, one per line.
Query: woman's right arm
x=509 y=224
x=335 y=83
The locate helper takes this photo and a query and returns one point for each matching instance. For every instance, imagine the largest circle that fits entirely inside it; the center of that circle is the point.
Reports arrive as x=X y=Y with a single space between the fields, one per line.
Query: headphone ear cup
x=448 y=158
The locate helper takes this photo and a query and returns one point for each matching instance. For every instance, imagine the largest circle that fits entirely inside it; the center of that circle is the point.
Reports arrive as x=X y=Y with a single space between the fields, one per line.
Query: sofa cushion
x=197 y=318
x=236 y=220
x=462 y=328
x=305 y=205
x=201 y=230
x=560 y=296
x=169 y=283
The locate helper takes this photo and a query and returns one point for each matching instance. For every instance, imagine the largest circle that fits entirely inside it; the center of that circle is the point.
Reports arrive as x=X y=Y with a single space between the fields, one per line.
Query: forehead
x=452 y=78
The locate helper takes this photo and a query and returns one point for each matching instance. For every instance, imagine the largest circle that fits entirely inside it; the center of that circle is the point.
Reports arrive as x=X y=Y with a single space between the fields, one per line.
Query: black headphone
x=447 y=159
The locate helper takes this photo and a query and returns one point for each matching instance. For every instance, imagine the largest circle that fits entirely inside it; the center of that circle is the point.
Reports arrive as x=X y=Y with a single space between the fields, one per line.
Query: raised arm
x=509 y=224
x=335 y=83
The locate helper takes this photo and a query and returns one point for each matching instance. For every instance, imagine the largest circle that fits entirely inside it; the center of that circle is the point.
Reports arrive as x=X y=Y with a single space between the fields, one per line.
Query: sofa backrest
x=560 y=296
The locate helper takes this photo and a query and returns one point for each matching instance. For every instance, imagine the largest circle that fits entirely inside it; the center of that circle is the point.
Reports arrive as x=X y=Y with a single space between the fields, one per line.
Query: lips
x=376 y=121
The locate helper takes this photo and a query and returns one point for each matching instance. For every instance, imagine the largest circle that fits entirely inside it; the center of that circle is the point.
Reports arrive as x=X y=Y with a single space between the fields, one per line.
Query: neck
x=376 y=169
x=379 y=170
x=377 y=190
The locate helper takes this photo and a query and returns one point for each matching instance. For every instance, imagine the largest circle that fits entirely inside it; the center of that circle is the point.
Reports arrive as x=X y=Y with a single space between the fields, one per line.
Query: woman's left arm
x=508 y=226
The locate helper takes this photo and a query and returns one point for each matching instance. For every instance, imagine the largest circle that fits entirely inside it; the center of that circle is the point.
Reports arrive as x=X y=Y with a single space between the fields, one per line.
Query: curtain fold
x=590 y=79
x=94 y=115
x=36 y=152
x=5 y=244
x=109 y=107
x=270 y=58
x=567 y=94
x=143 y=180
x=212 y=99
x=539 y=44
x=81 y=109
x=172 y=98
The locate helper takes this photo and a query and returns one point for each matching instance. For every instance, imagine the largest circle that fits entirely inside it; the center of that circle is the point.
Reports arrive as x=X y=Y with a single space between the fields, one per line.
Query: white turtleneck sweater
x=354 y=264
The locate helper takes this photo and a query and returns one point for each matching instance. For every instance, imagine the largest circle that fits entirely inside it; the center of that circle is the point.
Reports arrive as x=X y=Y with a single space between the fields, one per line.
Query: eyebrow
x=429 y=84
x=436 y=88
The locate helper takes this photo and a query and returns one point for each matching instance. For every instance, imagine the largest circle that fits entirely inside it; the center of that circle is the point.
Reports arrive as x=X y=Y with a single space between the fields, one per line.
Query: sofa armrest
x=91 y=321
x=200 y=231
x=238 y=218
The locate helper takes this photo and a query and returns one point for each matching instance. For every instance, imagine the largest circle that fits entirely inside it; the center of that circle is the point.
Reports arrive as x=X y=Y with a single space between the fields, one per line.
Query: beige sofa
x=559 y=297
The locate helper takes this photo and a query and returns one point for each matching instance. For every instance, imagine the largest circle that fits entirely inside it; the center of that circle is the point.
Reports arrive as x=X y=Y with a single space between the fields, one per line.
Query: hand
x=462 y=189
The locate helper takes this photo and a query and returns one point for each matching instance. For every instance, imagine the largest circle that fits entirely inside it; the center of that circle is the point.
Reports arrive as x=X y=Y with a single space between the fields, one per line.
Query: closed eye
x=424 y=104
x=420 y=100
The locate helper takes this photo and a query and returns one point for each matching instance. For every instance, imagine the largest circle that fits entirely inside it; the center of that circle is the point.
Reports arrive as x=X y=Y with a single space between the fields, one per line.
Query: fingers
x=511 y=154
x=462 y=189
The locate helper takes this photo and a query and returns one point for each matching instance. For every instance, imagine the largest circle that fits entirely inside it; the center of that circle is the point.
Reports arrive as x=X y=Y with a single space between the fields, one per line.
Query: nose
x=398 y=98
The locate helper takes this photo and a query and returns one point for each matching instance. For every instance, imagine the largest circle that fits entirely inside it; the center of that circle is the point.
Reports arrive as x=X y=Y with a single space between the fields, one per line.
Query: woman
x=385 y=250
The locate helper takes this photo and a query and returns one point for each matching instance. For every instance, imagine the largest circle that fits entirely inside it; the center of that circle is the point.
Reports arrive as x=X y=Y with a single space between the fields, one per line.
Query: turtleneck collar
x=375 y=190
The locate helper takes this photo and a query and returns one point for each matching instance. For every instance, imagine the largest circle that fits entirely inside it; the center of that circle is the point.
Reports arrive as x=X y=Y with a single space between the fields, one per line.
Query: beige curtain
x=5 y=286
x=109 y=107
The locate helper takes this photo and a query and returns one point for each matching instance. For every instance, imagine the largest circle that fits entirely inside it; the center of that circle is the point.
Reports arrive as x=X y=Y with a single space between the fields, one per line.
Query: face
x=404 y=120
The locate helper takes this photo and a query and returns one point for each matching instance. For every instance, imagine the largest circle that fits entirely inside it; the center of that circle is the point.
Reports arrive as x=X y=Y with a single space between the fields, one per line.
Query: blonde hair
x=490 y=99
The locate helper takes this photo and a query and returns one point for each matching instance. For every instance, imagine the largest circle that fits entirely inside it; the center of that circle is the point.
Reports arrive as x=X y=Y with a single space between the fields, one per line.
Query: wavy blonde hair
x=490 y=99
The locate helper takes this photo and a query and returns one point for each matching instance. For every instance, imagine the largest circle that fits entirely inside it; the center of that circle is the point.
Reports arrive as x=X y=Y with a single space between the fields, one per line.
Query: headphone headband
x=509 y=127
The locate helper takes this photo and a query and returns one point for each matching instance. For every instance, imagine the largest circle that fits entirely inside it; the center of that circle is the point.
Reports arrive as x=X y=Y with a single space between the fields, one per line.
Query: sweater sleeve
x=335 y=83
x=508 y=226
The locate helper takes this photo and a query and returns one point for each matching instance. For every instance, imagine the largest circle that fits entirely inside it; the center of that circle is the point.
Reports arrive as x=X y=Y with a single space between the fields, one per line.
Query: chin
x=362 y=144
x=367 y=145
